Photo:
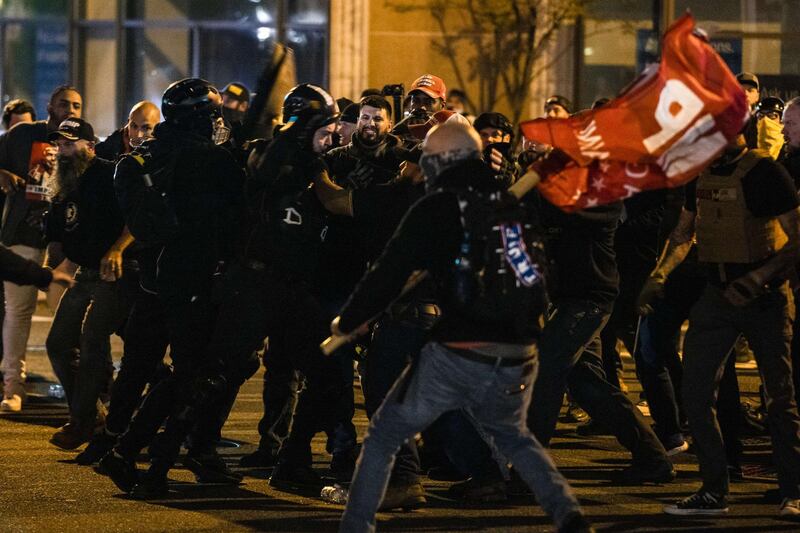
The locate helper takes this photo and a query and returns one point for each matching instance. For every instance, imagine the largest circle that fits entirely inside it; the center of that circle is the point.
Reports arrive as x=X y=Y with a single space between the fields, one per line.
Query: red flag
x=661 y=131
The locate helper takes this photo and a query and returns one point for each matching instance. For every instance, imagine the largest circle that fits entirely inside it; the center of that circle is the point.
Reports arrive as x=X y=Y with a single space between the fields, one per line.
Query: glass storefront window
x=155 y=58
x=234 y=55
x=36 y=61
x=163 y=41
x=311 y=54
x=308 y=12
x=262 y=11
x=34 y=8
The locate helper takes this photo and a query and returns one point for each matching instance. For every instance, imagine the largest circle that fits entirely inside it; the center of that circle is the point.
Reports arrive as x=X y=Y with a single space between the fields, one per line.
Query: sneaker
x=300 y=479
x=405 y=497
x=790 y=507
x=701 y=503
x=122 y=471
x=210 y=468
x=473 y=490
x=575 y=414
x=576 y=522
x=71 y=435
x=11 y=404
x=640 y=473
x=675 y=444
x=98 y=447
x=259 y=459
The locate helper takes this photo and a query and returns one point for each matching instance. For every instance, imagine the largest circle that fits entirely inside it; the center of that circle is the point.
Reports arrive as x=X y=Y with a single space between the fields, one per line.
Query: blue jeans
x=442 y=381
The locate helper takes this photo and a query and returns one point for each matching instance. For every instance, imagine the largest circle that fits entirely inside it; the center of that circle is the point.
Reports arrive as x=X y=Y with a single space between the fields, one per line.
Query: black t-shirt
x=88 y=221
x=581 y=247
x=768 y=188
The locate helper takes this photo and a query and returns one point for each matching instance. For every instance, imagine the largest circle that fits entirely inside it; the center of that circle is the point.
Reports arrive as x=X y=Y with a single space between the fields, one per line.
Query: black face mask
x=503 y=148
x=233 y=116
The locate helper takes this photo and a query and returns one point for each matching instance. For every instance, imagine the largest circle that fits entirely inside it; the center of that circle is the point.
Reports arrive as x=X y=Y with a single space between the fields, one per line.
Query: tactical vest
x=727 y=232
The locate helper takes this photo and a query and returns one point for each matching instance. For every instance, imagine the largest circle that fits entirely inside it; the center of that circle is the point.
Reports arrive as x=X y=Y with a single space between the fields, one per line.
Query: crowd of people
x=411 y=233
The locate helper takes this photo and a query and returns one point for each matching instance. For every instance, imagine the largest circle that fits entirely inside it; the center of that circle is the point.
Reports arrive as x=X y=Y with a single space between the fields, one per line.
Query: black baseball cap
x=350 y=114
x=748 y=78
x=493 y=120
x=74 y=129
x=557 y=99
x=237 y=91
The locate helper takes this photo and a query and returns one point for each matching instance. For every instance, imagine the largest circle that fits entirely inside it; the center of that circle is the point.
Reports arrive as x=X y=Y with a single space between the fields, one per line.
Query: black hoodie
x=428 y=238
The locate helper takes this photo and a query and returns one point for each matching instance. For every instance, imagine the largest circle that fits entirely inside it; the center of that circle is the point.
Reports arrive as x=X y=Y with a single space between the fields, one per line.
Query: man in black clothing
x=85 y=225
x=471 y=364
x=376 y=197
x=272 y=288
x=141 y=121
x=740 y=210
x=580 y=247
x=180 y=193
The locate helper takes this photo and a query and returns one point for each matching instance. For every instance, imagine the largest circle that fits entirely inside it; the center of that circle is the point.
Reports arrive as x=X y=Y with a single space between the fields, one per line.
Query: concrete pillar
x=349 y=47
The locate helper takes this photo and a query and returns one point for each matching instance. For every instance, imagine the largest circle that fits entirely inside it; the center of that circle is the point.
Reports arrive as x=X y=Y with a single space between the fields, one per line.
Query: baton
x=334 y=342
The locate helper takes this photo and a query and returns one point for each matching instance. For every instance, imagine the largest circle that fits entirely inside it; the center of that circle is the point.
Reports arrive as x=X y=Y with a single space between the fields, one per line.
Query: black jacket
x=358 y=165
x=428 y=239
x=21 y=271
x=286 y=222
x=112 y=147
x=187 y=208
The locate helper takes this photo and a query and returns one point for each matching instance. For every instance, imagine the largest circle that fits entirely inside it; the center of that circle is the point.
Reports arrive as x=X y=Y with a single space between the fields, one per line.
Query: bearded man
x=86 y=226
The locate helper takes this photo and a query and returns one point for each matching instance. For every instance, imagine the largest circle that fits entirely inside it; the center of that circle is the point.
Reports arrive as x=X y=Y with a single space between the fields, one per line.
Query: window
x=117 y=63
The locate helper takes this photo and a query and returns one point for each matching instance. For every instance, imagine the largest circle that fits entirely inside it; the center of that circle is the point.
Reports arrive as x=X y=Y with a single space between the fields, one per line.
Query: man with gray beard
x=86 y=226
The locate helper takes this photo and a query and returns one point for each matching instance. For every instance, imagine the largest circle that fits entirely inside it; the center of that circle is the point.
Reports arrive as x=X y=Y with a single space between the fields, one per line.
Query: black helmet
x=193 y=104
x=769 y=104
x=306 y=108
x=189 y=98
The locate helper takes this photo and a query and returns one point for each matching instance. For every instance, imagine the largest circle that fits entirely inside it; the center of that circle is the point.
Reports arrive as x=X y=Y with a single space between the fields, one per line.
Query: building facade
x=118 y=52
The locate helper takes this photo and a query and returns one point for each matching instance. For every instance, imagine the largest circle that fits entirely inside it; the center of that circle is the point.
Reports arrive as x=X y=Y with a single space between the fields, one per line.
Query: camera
x=395 y=89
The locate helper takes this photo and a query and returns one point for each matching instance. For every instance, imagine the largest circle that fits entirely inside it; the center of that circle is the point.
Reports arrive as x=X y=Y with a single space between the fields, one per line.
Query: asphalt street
x=43 y=491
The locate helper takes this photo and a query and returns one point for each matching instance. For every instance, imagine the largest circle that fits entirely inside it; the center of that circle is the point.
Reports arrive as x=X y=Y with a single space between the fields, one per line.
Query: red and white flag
x=661 y=131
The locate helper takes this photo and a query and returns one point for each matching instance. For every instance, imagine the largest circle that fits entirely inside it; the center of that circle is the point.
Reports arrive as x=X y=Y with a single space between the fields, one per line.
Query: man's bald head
x=791 y=125
x=447 y=145
x=142 y=119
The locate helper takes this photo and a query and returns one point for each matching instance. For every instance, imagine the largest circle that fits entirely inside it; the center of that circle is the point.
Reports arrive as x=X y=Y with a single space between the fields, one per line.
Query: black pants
x=393 y=346
x=189 y=323
x=145 y=345
x=636 y=246
x=258 y=305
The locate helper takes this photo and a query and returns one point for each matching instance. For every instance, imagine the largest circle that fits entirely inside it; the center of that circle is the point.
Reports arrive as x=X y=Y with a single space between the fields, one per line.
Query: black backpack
x=500 y=272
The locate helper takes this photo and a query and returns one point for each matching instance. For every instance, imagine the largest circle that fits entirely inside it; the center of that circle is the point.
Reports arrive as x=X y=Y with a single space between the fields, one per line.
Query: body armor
x=727 y=232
